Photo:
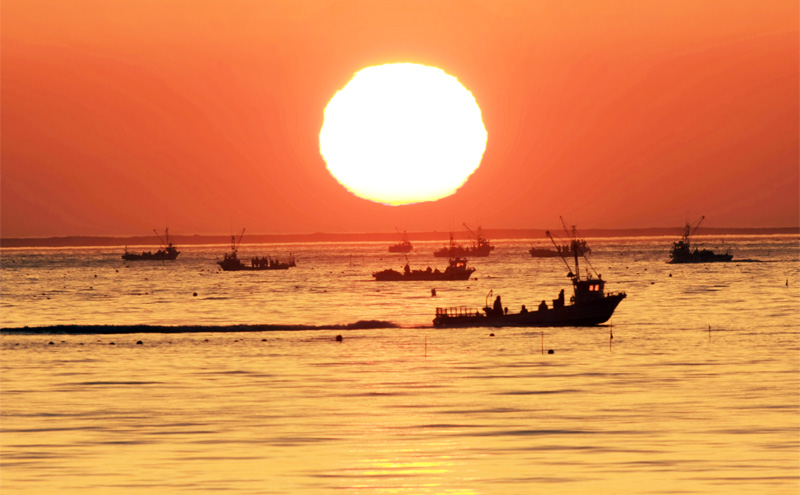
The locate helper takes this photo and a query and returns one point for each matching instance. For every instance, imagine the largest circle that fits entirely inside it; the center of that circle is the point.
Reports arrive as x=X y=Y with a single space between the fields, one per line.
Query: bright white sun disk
x=402 y=133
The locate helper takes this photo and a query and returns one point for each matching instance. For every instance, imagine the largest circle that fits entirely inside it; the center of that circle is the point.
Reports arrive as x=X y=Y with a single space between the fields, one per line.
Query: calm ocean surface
x=698 y=391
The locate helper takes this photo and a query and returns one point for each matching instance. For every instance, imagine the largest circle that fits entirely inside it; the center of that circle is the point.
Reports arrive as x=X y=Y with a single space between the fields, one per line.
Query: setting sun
x=402 y=133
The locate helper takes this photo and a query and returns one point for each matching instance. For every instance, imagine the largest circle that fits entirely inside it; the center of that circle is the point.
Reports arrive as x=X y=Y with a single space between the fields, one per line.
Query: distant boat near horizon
x=232 y=263
x=167 y=252
x=456 y=270
x=681 y=251
x=404 y=246
x=481 y=248
x=563 y=249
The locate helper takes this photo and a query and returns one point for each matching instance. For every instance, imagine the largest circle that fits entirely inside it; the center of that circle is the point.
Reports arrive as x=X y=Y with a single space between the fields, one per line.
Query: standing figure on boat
x=497 y=309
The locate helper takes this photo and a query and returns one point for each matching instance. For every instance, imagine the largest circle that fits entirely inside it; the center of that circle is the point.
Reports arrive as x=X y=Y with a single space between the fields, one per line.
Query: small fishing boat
x=589 y=305
x=232 y=263
x=167 y=251
x=682 y=252
x=563 y=249
x=404 y=246
x=456 y=270
x=480 y=248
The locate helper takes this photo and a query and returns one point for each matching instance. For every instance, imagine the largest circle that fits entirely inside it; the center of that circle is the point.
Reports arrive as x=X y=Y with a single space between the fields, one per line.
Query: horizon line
x=434 y=235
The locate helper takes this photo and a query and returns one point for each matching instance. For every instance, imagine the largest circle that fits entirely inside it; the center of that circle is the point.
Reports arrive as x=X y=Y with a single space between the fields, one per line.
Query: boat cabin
x=588 y=290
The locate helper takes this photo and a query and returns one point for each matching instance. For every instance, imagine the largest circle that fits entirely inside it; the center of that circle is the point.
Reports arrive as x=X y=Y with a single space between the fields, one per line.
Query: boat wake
x=126 y=329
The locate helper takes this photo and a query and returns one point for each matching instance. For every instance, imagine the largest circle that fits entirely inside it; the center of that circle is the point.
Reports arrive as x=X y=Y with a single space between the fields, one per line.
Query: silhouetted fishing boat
x=404 y=246
x=589 y=305
x=167 y=251
x=456 y=270
x=232 y=263
x=682 y=252
x=563 y=249
x=481 y=248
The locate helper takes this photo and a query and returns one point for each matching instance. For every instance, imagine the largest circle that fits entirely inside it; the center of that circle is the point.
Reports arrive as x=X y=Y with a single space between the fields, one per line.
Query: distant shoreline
x=189 y=240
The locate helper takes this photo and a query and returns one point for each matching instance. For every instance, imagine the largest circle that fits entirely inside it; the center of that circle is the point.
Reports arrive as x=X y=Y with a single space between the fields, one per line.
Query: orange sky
x=122 y=116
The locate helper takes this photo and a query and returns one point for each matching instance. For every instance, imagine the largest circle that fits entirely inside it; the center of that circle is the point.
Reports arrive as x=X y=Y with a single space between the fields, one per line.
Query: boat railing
x=457 y=311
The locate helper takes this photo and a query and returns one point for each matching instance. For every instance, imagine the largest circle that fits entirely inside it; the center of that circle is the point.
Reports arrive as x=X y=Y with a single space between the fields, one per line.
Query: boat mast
x=561 y=255
x=163 y=243
x=698 y=225
x=478 y=237
x=574 y=232
x=234 y=243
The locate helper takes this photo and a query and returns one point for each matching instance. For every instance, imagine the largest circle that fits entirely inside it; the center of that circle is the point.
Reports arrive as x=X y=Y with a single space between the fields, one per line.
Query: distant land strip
x=492 y=234
x=126 y=329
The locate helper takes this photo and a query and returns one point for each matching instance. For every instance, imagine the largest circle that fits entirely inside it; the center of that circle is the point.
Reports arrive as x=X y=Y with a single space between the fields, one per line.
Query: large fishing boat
x=589 y=305
x=682 y=250
x=456 y=270
x=232 y=263
x=404 y=246
x=480 y=248
x=167 y=251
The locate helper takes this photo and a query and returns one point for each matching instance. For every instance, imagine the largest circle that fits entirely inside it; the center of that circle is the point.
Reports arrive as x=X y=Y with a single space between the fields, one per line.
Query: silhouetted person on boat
x=524 y=309
x=559 y=303
x=543 y=306
x=497 y=309
x=407 y=269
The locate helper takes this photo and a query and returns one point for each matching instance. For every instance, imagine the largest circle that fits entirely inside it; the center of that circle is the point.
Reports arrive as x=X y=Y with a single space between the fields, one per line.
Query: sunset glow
x=402 y=133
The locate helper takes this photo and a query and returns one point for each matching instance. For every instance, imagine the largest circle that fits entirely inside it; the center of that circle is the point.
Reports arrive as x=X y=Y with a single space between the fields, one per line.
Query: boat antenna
x=235 y=243
x=470 y=231
x=159 y=237
x=698 y=225
x=486 y=301
x=560 y=254
x=564 y=224
x=574 y=234
x=589 y=263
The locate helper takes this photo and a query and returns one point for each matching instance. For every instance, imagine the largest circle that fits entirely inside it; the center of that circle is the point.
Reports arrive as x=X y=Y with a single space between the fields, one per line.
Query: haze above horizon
x=117 y=118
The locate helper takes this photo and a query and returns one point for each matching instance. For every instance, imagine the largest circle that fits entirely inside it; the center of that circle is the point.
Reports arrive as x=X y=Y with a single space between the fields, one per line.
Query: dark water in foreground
x=667 y=406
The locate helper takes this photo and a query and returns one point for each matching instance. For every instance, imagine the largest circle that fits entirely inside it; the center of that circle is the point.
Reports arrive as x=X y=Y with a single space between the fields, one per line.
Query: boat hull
x=395 y=276
x=245 y=268
x=585 y=314
x=236 y=265
x=150 y=257
x=544 y=253
x=714 y=258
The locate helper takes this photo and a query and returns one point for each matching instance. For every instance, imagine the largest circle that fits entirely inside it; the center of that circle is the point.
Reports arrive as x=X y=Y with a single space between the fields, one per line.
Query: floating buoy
x=670 y=274
x=139 y=342
x=551 y=351
x=263 y=340
x=339 y=338
x=194 y=294
x=51 y=343
x=433 y=292
x=491 y=335
x=111 y=343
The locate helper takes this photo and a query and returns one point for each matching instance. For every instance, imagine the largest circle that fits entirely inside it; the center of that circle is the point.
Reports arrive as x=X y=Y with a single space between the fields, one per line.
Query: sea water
x=692 y=387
